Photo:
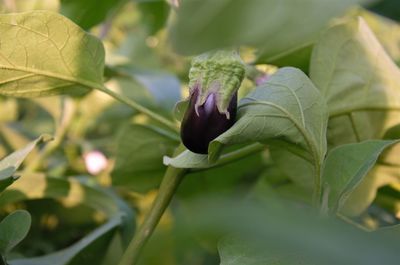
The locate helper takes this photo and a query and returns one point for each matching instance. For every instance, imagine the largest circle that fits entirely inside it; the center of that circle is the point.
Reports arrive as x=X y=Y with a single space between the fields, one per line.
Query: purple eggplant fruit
x=203 y=124
x=214 y=79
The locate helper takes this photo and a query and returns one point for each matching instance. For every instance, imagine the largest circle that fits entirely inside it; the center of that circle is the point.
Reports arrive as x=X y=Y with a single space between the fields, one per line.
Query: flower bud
x=214 y=80
x=203 y=124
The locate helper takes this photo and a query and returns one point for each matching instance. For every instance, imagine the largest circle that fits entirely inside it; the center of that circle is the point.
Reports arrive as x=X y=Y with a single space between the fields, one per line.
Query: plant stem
x=172 y=179
x=139 y=108
x=317 y=186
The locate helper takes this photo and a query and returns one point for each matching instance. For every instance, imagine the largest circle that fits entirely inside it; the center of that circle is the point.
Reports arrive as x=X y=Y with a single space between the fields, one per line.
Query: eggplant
x=202 y=124
x=214 y=79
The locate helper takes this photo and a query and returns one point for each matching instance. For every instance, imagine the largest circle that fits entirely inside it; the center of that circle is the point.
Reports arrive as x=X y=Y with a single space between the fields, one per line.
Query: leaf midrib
x=87 y=83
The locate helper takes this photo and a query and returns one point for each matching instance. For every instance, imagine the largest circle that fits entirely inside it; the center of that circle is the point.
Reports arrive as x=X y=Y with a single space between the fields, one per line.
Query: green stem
x=139 y=108
x=172 y=179
x=317 y=186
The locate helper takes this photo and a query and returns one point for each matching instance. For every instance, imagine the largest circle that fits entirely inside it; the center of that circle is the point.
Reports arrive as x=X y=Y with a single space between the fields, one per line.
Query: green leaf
x=10 y=164
x=287 y=107
x=13 y=229
x=71 y=192
x=154 y=14
x=89 y=13
x=387 y=32
x=279 y=232
x=223 y=178
x=298 y=57
x=366 y=191
x=89 y=249
x=359 y=81
x=346 y=166
x=187 y=159
x=140 y=150
x=301 y=167
x=234 y=251
x=286 y=24
x=44 y=53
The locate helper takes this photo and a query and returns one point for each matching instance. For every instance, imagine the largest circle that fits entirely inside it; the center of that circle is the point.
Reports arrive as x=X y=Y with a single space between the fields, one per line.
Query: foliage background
x=253 y=211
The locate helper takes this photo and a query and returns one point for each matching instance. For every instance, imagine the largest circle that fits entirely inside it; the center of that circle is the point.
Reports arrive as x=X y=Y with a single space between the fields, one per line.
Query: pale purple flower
x=95 y=162
x=261 y=79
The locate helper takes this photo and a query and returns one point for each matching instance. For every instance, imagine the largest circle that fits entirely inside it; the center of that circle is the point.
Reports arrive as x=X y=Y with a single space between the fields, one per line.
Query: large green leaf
x=44 y=53
x=13 y=229
x=278 y=232
x=140 y=150
x=345 y=167
x=89 y=13
x=236 y=251
x=274 y=26
x=10 y=164
x=288 y=107
x=387 y=32
x=359 y=81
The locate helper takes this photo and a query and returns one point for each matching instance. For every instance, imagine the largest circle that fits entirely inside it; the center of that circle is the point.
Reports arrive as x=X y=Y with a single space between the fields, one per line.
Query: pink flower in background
x=95 y=162
x=261 y=79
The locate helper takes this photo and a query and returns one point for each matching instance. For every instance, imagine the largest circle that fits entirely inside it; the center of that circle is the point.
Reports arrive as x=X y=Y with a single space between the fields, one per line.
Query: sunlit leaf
x=346 y=166
x=71 y=192
x=365 y=193
x=387 y=32
x=359 y=81
x=44 y=53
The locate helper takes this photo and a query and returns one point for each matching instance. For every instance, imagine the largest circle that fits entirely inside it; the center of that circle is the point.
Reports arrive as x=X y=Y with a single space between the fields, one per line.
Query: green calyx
x=220 y=72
